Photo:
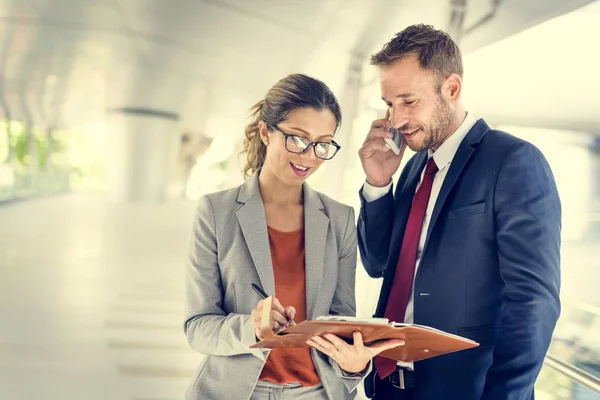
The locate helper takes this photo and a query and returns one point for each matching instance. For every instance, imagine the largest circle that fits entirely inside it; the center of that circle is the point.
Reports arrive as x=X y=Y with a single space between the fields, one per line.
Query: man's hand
x=379 y=163
x=351 y=358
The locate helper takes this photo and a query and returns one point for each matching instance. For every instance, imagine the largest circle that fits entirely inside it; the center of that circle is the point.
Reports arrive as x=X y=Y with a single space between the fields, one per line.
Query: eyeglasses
x=300 y=145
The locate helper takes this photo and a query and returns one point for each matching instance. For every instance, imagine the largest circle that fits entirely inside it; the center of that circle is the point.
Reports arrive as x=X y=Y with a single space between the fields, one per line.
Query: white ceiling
x=66 y=62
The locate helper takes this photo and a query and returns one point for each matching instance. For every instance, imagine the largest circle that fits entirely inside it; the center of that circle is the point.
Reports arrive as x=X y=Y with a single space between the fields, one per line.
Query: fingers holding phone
x=382 y=152
x=395 y=142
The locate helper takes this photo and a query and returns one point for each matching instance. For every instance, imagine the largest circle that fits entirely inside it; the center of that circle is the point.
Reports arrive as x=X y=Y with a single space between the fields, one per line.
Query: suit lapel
x=316 y=224
x=462 y=156
x=403 y=203
x=252 y=220
x=458 y=164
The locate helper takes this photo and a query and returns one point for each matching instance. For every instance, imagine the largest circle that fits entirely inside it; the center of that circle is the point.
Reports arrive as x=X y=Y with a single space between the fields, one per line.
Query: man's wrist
x=377 y=184
x=372 y=193
x=359 y=372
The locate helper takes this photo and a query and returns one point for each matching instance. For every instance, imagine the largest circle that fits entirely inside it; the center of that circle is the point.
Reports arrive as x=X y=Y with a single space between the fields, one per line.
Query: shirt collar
x=445 y=153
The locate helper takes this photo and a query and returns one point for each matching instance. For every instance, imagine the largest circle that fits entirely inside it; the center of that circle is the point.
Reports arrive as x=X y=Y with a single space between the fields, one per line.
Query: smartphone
x=395 y=143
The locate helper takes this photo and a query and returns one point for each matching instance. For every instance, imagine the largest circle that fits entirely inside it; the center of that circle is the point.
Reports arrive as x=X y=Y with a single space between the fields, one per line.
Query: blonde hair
x=292 y=92
x=254 y=147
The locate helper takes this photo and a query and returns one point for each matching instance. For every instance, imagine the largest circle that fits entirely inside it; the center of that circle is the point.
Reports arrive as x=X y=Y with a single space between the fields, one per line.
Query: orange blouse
x=285 y=365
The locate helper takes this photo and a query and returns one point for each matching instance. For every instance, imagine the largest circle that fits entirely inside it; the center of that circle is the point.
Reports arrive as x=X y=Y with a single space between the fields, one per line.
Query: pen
x=262 y=294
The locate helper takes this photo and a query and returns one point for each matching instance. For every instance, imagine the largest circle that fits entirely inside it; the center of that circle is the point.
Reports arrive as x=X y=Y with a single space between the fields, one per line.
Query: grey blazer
x=229 y=251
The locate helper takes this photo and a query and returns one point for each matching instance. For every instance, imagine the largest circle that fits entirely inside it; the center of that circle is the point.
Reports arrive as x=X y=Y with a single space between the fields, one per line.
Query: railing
x=573 y=373
x=572 y=366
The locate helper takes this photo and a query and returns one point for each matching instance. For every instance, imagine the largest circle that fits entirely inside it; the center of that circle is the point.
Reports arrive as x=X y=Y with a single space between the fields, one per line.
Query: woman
x=295 y=243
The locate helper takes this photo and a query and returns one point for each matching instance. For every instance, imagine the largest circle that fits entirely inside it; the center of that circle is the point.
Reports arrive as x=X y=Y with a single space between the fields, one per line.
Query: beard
x=436 y=131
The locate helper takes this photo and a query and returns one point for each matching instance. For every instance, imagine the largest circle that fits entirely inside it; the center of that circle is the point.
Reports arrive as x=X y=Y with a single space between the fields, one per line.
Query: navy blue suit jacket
x=490 y=268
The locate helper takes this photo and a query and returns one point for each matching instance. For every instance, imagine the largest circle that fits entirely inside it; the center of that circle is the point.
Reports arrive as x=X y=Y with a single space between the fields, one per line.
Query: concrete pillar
x=142 y=147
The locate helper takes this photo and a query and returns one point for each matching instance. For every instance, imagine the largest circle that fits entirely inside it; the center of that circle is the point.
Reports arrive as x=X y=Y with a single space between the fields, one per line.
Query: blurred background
x=116 y=115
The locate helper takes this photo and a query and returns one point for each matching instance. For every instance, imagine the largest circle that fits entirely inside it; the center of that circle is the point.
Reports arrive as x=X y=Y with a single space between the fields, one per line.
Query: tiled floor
x=91 y=300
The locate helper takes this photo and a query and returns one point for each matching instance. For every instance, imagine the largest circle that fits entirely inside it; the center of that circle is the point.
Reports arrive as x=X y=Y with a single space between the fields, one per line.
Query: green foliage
x=21 y=148
x=44 y=146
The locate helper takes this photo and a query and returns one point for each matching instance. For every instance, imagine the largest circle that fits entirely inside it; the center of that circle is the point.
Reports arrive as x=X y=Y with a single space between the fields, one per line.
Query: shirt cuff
x=350 y=375
x=372 y=193
x=249 y=338
x=351 y=381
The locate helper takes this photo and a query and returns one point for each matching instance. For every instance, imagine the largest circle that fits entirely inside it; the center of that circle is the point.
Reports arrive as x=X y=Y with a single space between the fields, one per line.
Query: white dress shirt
x=442 y=157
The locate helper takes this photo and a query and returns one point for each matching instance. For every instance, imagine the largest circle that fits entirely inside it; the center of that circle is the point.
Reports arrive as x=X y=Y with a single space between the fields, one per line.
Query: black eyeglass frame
x=310 y=144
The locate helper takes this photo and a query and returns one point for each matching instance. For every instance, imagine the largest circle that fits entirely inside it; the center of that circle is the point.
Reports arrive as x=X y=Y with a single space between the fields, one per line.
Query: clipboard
x=421 y=342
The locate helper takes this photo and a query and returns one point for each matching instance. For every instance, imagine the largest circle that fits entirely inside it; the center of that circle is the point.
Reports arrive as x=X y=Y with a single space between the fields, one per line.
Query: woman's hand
x=278 y=317
x=351 y=358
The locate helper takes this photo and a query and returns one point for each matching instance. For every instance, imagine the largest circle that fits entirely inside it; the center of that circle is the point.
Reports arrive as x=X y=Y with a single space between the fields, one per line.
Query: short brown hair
x=435 y=49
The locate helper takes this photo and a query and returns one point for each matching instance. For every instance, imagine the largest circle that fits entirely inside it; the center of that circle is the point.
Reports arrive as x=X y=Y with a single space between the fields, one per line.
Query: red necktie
x=405 y=269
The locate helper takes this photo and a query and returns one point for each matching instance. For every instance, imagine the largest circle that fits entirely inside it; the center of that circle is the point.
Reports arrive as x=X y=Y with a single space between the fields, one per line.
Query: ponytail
x=254 y=147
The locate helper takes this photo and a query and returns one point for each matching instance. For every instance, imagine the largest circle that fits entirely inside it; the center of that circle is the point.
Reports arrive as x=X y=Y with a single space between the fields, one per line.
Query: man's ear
x=452 y=87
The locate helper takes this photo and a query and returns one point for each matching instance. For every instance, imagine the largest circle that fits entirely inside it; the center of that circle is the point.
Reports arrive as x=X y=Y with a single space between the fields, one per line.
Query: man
x=469 y=241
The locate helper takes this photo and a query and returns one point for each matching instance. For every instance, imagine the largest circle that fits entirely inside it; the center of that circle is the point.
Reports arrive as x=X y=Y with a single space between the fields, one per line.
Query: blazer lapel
x=460 y=160
x=462 y=156
x=316 y=224
x=252 y=220
x=403 y=203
